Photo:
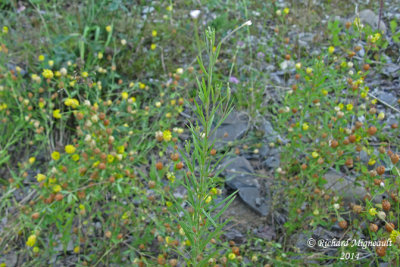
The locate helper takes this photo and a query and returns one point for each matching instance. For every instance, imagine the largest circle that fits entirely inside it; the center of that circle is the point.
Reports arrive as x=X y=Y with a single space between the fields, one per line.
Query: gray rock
x=345 y=186
x=387 y=97
x=9 y=259
x=232 y=129
x=369 y=17
x=238 y=173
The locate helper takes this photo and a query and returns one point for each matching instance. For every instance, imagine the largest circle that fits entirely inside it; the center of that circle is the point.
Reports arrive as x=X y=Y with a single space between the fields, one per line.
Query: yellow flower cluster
x=56 y=114
x=71 y=102
x=70 y=149
x=31 y=240
x=167 y=135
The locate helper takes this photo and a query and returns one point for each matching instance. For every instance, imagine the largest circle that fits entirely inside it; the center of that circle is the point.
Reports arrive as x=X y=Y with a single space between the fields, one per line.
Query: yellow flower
x=381 y=116
x=48 y=74
x=31 y=240
x=31 y=160
x=372 y=211
x=133 y=99
x=349 y=107
x=5 y=29
x=231 y=256
x=167 y=135
x=315 y=155
x=121 y=149
x=108 y=28
x=85 y=74
x=371 y=161
x=76 y=249
x=100 y=55
x=169 y=8
x=168 y=203
x=52 y=180
x=286 y=11
x=41 y=58
x=208 y=199
x=171 y=176
x=153 y=46
x=41 y=104
x=331 y=49
x=81 y=207
x=55 y=155
x=393 y=235
x=40 y=177
x=187 y=242
x=36 y=250
x=56 y=114
x=305 y=126
x=110 y=158
x=75 y=157
x=124 y=95
x=57 y=73
x=309 y=70
x=71 y=102
x=70 y=149
x=324 y=92
x=56 y=188
x=125 y=216
x=154 y=33
x=142 y=85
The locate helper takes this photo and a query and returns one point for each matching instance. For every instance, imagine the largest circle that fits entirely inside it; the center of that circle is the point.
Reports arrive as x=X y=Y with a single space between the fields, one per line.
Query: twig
x=383 y=102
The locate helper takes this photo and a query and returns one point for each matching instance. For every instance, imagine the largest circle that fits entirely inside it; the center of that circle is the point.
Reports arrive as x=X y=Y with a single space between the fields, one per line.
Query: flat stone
x=367 y=16
x=238 y=177
x=344 y=186
x=233 y=128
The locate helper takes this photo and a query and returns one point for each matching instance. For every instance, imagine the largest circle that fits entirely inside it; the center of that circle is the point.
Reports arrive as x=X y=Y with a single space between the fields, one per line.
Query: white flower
x=278 y=12
x=63 y=71
x=382 y=184
x=123 y=42
x=248 y=23
x=336 y=206
x=351 y=72
x=195 y=13
x=350 y=64
x=179 y=70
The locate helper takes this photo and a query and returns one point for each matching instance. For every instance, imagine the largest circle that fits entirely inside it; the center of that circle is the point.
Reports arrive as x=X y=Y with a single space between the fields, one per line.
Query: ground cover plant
x=199 y=133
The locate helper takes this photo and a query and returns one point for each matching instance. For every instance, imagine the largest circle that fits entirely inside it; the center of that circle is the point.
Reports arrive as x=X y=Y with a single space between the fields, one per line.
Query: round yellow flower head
x=56 y=188
x=309 y=70
x=108 y=28
x=70 y=149
x=349 y=107
x=315 y=155
x=32 y=160
x=55 y=155
x=40 y=177
x=31 y=240
x=48 y=74
x=331 y=49
x=167 y=135
x=153 y=46
x=286 y=11
x=231 y=256
x=41 y=58
x=5 y=29
x=154 y=33
x=372 y=211
x=56 y=114
x=85 y=74
x=124 y=95
x=305 y=126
